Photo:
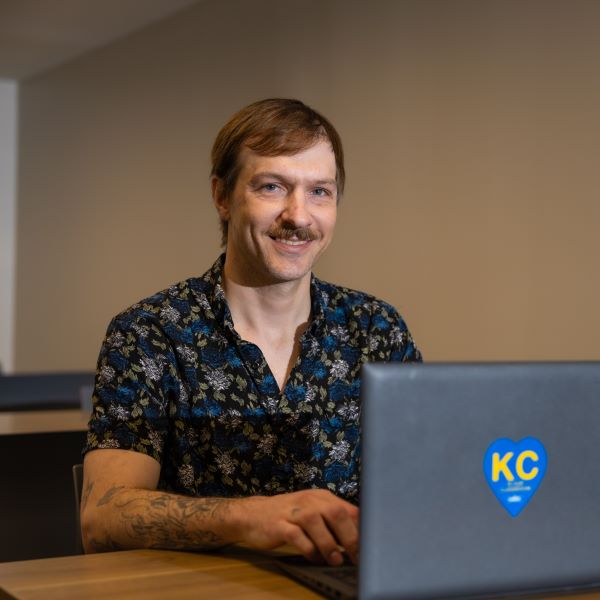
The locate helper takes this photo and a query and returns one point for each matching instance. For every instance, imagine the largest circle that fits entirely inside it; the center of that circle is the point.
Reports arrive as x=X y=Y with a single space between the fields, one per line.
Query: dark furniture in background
x=36 y=484
x=36 y=494
x=77 y=493
x=47 y=391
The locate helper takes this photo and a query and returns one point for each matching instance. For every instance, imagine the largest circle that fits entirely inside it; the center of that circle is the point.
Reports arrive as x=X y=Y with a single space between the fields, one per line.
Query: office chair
x=77 y=488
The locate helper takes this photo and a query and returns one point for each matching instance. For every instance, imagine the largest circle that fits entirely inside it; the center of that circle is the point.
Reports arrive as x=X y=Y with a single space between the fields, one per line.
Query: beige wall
x=471 y=132
x=8 y=209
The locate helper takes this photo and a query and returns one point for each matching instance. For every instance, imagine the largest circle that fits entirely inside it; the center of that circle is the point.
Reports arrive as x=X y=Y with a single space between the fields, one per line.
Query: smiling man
x=226 y=408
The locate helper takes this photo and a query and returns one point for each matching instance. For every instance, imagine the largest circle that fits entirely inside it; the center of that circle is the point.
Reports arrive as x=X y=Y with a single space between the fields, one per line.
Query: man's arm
x=122 y=509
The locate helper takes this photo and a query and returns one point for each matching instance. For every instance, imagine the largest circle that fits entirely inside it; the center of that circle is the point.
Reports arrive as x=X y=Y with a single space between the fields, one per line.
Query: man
x=226 y=407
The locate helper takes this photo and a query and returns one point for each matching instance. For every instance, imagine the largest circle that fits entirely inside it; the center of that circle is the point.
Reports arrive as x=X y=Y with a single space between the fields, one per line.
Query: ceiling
x=36 y=35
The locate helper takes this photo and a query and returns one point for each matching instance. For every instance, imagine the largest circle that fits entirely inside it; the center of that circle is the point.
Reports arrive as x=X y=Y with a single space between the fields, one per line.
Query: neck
x=276 y=309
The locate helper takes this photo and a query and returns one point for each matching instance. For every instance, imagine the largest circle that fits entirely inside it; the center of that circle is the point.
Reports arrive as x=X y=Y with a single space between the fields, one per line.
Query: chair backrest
x=77 y=489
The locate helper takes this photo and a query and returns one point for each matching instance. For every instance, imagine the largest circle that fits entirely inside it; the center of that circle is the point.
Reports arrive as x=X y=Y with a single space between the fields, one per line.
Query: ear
x=219 y=199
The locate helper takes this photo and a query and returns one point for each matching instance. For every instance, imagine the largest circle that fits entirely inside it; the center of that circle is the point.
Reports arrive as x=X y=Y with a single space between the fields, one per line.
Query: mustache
x=304 y=234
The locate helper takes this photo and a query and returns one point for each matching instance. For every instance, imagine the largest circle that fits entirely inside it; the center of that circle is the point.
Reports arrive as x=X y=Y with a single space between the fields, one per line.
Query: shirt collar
x=213 y=278
x=213 y=281
x=319 y=301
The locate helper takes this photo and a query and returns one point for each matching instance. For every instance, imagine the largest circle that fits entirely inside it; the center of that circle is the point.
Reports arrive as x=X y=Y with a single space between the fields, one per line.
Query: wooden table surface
x=149 y=575
x=159 y=574
x=43 y=421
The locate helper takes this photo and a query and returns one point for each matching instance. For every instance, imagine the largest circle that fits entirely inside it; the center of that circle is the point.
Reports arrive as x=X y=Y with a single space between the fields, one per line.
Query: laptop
x=478 y=480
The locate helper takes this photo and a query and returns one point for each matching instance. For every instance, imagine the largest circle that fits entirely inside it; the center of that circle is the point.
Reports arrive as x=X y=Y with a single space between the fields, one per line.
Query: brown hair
x=272 y=127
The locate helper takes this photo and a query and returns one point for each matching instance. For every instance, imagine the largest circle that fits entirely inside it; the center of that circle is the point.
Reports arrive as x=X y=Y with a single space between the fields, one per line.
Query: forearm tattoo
x=162 y=520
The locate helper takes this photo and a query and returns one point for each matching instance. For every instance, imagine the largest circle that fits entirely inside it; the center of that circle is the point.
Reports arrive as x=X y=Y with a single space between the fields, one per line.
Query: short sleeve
x=135 y=378
x=389 y=337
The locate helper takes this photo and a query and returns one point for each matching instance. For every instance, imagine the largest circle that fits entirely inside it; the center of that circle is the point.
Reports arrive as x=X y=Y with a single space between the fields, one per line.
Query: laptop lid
x=441 y=516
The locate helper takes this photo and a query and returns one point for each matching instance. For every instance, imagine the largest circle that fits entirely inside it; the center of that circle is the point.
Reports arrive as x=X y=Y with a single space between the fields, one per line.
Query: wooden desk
x=160 y=574
x=149 y=575
x=43 y=421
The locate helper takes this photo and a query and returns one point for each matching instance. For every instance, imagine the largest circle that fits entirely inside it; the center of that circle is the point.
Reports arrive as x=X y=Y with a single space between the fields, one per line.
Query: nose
x=296 y=211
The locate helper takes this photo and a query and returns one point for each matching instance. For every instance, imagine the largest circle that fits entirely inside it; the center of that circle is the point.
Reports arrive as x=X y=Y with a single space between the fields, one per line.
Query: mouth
x=293 y=237
x=291 y=246
x=290 y=242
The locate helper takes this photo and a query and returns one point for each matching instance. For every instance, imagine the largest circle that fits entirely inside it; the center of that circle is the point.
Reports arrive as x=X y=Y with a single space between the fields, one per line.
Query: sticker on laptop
x=514 y=471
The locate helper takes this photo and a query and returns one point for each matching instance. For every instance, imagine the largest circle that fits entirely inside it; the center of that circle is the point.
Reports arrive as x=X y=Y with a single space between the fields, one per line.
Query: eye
x=322 y=192
x=269 y=187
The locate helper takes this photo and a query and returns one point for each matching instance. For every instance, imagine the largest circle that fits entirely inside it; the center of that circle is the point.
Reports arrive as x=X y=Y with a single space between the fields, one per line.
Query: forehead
x=316 y=161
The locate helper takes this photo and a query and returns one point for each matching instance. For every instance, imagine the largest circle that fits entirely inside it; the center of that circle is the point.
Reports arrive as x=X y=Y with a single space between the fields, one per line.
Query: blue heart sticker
x=514 y=471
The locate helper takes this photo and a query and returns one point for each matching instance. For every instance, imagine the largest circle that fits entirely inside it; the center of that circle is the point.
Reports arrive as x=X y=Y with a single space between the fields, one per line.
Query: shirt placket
x=260 y=373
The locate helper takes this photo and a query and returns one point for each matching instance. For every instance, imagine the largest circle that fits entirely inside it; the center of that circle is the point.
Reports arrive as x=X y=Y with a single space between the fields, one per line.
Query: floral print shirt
x=176 y=382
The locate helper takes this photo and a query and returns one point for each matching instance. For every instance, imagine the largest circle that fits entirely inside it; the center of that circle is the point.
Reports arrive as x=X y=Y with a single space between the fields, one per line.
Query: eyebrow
x=271 y=175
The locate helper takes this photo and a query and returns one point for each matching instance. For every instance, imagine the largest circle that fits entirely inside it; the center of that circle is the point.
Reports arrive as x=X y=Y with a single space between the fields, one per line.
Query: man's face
x=281 y=214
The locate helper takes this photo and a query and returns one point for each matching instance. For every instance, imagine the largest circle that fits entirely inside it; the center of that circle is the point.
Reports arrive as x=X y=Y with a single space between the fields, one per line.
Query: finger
x=344 y=527
x=296 y=537
x=314 y=526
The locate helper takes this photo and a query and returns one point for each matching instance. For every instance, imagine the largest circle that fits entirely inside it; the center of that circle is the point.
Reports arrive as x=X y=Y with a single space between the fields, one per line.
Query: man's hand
x=315 y=522
x=121 y=508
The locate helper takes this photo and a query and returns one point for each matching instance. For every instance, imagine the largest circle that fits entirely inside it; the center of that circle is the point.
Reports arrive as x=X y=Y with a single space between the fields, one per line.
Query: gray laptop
x=478 y=480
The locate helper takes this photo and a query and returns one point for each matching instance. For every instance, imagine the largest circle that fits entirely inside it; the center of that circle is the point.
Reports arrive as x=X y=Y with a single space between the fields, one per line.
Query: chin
x=292 y=272
x=286 y=276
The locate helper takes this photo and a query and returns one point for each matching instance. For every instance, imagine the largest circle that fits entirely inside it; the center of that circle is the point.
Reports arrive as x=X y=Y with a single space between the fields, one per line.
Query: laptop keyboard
x=347 y=574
